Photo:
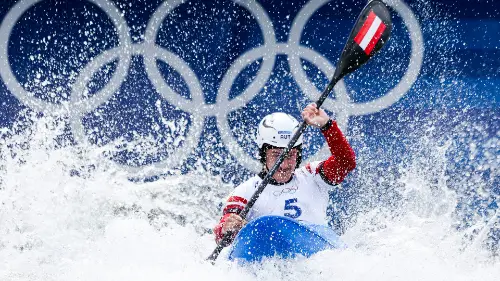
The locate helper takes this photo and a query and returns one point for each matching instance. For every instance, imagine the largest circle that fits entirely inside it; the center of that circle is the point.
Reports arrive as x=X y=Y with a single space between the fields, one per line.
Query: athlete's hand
x=314 y=116
x=233 y=223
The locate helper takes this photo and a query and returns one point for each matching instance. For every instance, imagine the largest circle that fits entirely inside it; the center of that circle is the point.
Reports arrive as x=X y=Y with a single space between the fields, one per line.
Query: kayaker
x=300 y=193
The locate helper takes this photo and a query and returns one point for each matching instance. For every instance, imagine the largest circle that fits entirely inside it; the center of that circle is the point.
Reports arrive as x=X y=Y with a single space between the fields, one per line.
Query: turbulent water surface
x=68 y=214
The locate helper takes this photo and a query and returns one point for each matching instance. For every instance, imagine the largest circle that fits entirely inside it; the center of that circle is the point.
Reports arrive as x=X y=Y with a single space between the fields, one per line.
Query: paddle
x=371 y=31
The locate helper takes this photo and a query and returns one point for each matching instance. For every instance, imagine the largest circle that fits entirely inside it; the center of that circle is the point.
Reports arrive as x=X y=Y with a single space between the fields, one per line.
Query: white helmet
x=277 y=129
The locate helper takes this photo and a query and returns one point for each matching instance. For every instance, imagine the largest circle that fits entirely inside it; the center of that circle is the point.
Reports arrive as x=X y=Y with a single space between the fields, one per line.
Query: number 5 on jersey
x=295 y=210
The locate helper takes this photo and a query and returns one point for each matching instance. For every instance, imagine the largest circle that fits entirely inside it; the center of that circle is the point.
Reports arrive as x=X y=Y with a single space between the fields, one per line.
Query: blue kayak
x=271 y=236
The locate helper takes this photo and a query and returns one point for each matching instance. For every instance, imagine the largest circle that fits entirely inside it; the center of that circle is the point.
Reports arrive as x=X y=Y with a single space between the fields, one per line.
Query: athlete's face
x=286 y=169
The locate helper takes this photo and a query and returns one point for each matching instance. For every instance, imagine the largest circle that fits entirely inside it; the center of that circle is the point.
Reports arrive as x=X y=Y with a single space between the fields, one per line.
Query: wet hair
x=265 y=147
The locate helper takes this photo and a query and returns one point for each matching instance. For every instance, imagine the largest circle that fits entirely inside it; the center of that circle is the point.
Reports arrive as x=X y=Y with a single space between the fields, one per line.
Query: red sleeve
x=343 y=160
x=234 y=205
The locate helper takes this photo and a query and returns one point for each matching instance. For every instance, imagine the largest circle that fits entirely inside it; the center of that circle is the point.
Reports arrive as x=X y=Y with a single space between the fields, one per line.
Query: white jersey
x=304 y=198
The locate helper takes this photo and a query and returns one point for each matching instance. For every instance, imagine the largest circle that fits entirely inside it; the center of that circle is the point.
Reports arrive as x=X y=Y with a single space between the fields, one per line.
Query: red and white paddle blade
x=370 y=33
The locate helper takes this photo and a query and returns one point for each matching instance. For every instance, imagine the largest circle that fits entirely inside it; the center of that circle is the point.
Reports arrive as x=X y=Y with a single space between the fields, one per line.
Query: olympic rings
x=78 y=106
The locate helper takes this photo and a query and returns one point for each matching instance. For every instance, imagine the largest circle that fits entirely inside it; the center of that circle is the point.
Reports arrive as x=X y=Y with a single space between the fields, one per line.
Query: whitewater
x=68 y=213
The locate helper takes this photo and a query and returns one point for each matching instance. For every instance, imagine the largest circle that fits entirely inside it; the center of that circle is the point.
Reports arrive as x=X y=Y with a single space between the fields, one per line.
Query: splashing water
x=68 y=214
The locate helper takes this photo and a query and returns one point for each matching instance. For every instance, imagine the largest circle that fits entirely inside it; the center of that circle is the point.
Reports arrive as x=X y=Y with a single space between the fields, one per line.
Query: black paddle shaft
x=356 y=52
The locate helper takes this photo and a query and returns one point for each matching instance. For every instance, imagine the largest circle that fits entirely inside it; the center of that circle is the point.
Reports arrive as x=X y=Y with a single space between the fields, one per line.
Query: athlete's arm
x=343 y=160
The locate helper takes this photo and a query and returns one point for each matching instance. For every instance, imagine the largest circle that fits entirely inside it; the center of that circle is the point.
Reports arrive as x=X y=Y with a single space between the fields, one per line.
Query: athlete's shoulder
x=251 y=182
x=312 y=171
x=311 y=168
x=248 y=186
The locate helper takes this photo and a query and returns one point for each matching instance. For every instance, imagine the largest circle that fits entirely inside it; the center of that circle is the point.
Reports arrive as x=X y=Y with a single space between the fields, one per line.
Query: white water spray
x=69 y=215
